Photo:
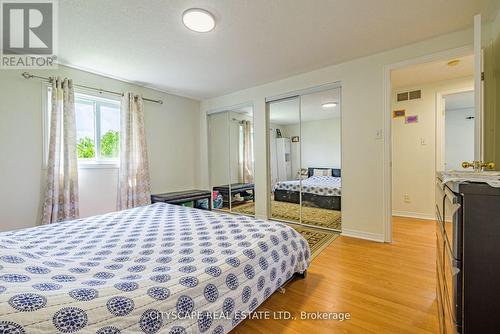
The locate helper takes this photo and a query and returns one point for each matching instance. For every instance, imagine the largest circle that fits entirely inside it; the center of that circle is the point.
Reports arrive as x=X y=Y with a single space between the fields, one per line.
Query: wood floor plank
x=387 y=288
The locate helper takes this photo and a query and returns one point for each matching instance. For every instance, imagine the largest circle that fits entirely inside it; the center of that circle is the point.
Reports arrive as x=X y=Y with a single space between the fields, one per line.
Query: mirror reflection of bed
x=232 y=160
x=305 y=159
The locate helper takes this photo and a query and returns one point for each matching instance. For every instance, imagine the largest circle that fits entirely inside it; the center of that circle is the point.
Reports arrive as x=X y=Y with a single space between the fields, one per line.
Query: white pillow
x=322 y=172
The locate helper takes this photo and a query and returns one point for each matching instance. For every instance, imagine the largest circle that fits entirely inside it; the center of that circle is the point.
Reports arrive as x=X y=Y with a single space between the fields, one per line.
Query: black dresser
x=468 y=258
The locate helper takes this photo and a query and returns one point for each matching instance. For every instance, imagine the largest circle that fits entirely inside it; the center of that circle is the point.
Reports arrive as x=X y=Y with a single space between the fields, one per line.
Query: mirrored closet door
x=320 y=126
x=305 y=159
x=231 y=160
x=284 y=159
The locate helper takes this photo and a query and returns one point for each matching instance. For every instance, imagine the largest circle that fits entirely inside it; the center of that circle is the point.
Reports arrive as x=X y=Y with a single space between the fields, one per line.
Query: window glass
x=109 y=131
x=85 y=129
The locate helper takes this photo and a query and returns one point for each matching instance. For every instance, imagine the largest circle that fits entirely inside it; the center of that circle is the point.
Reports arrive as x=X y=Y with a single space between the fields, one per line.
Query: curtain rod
x=27 y=75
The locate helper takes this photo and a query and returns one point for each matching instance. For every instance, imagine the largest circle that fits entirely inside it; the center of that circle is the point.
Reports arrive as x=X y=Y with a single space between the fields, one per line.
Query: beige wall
x=363 y=116
x=414 y=149
x=172 y=131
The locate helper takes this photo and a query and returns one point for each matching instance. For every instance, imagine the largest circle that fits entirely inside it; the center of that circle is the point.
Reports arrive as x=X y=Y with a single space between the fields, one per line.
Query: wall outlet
x=406 y=198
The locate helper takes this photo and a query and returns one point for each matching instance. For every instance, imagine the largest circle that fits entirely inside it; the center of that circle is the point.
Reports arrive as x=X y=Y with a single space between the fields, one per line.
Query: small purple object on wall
x=411 y=119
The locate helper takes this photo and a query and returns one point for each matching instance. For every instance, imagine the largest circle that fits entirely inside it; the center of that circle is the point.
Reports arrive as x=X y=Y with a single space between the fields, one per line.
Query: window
x=97 y=129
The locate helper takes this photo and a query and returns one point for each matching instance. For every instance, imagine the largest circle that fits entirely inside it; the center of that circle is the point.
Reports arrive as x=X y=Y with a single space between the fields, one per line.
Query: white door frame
x=387 y=168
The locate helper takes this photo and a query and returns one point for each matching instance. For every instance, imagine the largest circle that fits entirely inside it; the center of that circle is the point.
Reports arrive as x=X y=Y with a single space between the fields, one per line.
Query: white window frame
x=108 y=99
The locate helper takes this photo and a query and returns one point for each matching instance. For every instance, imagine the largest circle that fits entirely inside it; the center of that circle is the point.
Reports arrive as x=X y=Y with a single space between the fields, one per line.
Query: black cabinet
x=468 y=258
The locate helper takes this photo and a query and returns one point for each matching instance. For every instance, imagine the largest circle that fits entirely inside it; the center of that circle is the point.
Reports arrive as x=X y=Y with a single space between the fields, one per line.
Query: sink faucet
x=478 y=166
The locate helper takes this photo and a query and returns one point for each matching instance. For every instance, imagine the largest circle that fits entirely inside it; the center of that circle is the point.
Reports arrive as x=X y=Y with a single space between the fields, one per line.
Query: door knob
x=467 y=164
x=478 y=165
x=489 y=165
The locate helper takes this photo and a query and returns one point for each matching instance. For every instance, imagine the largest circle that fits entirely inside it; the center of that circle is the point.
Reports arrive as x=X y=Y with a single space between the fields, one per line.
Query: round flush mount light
x=328 y=105
x=199 y=20
x=453 y=62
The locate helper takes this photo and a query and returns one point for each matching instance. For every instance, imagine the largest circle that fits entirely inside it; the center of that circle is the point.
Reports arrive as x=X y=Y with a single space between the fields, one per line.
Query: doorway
x=430 y=102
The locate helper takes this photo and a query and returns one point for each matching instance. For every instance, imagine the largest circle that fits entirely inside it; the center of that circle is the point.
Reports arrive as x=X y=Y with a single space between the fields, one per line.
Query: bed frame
x=311 y=200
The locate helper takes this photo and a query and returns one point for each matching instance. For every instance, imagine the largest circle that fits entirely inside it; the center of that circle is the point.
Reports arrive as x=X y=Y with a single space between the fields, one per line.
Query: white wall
x=363 y=115
x=172 y=131
x=414 y=162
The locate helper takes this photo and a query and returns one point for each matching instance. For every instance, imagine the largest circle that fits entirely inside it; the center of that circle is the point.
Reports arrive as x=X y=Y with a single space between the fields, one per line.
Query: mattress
x=158 y=268
x=318 y=185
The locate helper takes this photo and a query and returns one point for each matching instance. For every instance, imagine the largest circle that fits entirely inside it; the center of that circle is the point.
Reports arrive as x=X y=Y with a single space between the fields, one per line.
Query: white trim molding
x=362 y=235
x=416 y=215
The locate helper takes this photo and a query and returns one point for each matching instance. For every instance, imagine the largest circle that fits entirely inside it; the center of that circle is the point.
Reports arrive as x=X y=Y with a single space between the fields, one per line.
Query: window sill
x=98 y=165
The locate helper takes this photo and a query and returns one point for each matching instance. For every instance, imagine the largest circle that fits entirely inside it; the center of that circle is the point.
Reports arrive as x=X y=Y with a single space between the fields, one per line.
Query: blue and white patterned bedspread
x=318 y=185
x=154 y=269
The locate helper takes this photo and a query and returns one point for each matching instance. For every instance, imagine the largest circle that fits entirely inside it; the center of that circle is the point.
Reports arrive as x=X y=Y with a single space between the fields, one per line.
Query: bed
x=159 y=268
x=321 y=191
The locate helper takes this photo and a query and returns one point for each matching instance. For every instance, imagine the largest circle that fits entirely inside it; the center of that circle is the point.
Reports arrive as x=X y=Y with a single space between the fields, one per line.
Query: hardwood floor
x=386 y=288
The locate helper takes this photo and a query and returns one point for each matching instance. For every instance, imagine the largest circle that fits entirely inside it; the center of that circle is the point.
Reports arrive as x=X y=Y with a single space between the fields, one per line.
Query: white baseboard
x=362 y=235
x=416 y=215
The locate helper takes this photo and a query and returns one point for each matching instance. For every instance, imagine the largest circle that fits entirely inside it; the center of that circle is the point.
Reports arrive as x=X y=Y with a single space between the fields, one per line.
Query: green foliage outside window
x=110 y=144
x=85 y=148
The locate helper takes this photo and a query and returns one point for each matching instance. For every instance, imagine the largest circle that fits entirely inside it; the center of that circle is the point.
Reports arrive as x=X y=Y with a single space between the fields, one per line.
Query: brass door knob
x=477 y=165
x=466 y=164
x=489 y=165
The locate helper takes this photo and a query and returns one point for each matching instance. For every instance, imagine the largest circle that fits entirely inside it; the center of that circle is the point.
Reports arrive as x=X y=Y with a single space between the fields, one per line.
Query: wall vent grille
x=410 y=95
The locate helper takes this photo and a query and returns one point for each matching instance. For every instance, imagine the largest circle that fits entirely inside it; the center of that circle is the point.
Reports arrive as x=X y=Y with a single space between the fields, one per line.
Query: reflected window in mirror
x=231 y=156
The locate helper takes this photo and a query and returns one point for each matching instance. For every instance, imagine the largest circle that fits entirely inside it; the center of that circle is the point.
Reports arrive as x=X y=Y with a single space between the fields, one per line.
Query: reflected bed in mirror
x=305 y=159
x=321 y=196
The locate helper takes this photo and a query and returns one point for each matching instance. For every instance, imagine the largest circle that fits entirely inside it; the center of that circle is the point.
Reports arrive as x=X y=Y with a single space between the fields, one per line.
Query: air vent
x=411 y=95
x=415 y=94
x=402 y=96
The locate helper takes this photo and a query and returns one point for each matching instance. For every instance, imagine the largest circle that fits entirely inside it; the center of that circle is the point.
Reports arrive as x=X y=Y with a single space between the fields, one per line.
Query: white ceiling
x=287 y=112
x=432 y=72
x=459 y=101
x=254 y=41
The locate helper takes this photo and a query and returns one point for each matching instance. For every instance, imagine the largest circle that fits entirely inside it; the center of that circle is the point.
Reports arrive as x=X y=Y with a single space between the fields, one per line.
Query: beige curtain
x=134 y=186
x=61 y=193
x=247 y=163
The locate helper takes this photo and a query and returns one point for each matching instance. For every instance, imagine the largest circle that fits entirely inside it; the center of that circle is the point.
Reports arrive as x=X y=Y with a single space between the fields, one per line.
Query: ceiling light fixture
x=453 y=62
x=329 y=104
x=199 y=20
